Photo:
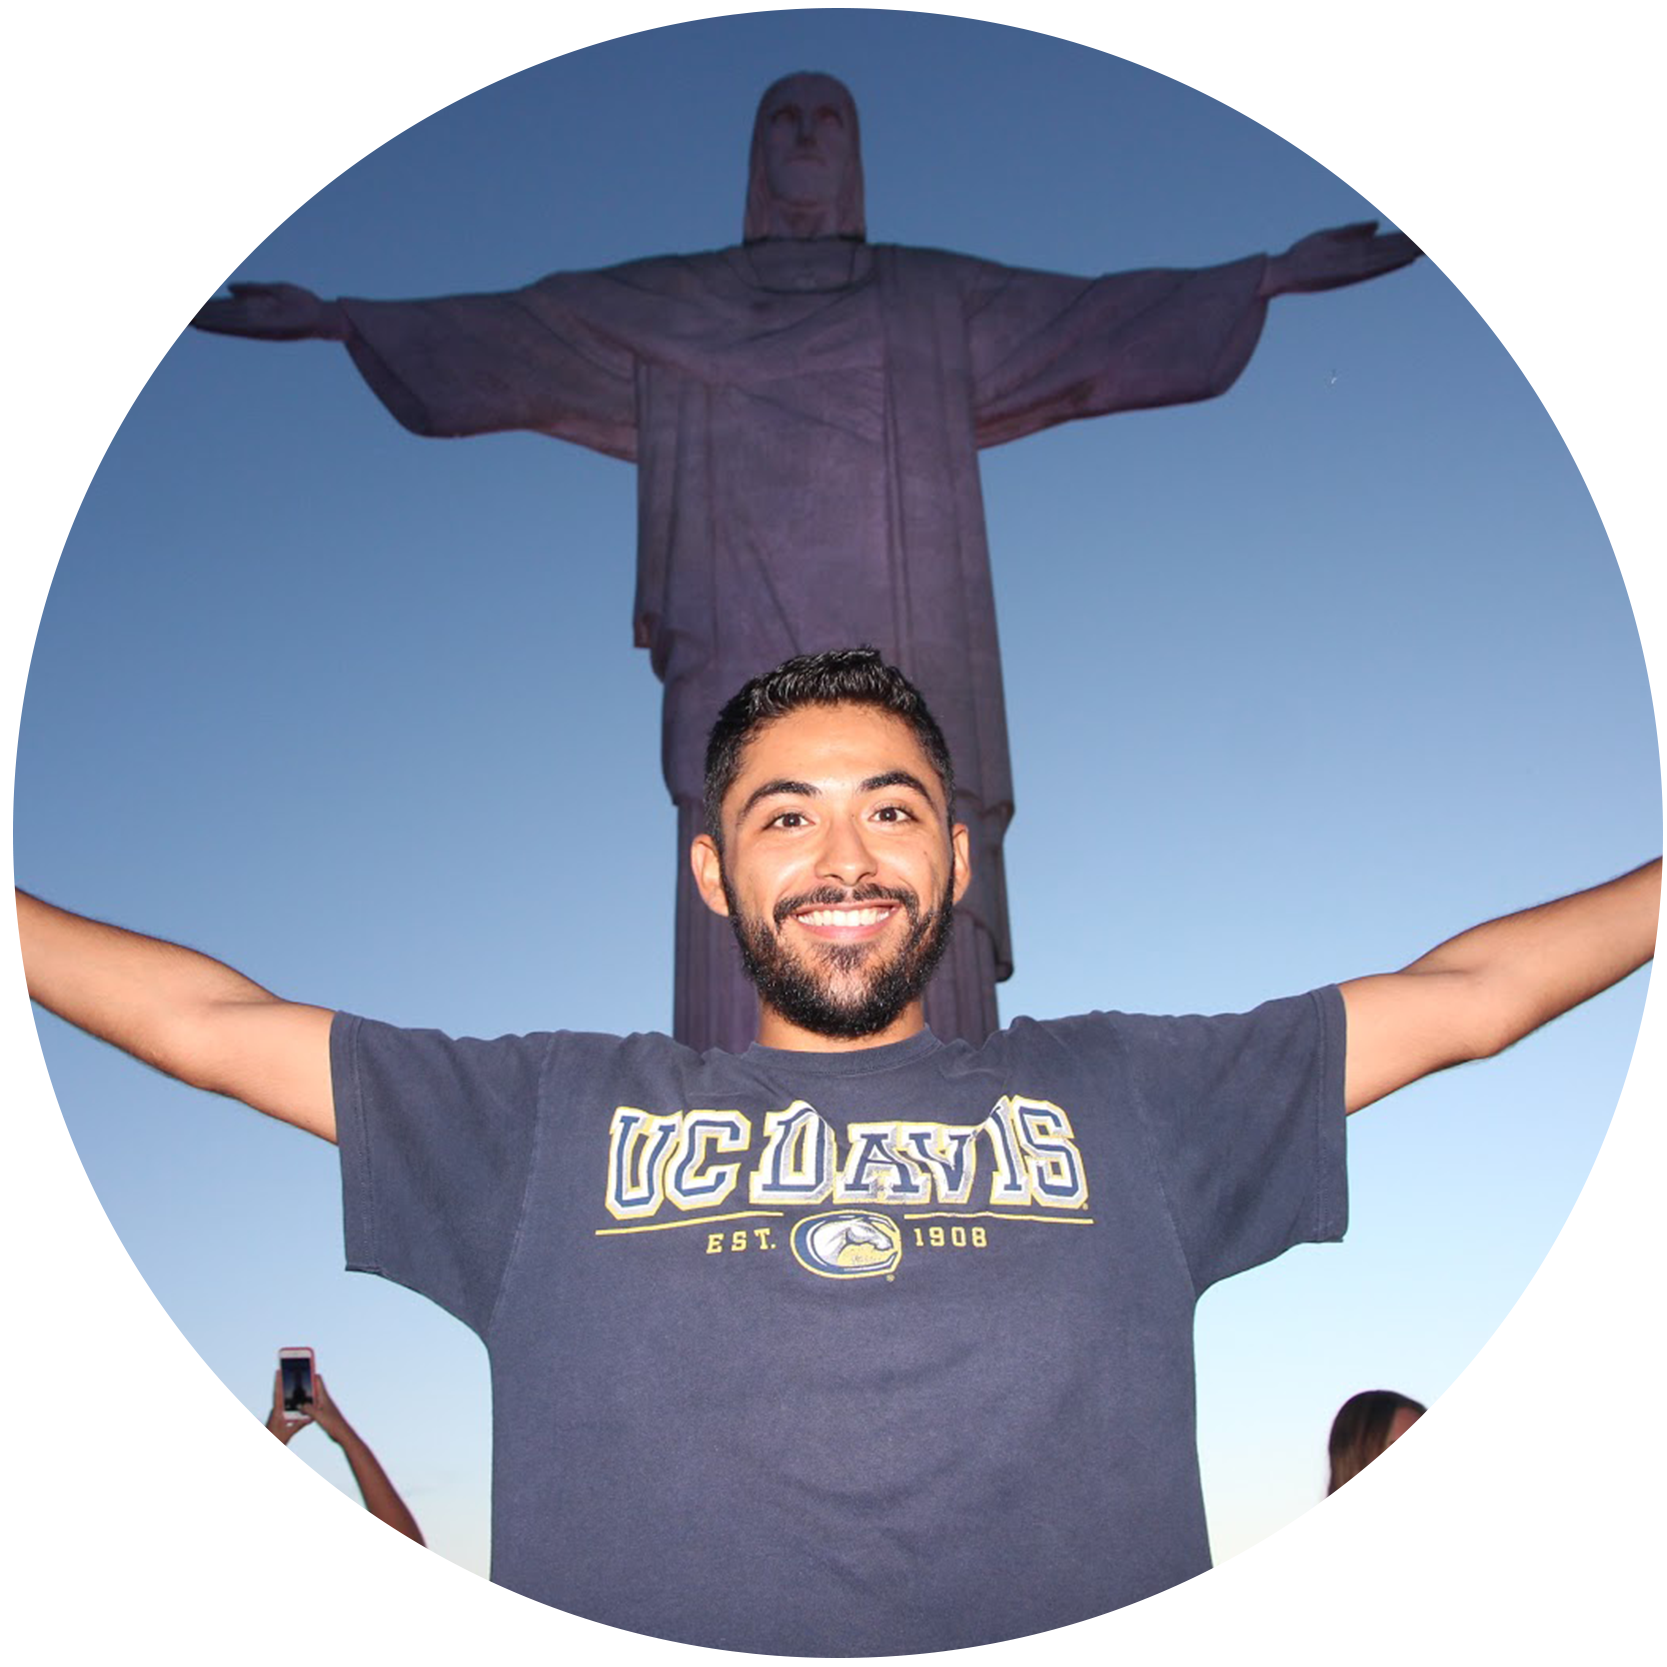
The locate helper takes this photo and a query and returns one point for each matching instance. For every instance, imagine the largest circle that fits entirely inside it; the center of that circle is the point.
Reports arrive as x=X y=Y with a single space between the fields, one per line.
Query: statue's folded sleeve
x=1047 y=349
x=484 y=364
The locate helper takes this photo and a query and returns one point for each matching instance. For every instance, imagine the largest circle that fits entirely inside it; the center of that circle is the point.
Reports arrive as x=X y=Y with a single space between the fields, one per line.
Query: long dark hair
x=225 y=1541
x=1360 y=1431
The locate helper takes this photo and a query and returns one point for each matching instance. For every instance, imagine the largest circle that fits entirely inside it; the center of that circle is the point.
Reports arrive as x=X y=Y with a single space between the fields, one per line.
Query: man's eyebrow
x=782 y=784
x=807 y=790
x=897 y=778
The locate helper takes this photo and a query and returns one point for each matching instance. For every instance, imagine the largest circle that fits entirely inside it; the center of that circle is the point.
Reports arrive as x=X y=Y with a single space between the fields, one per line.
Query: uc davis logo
x=848 y=1244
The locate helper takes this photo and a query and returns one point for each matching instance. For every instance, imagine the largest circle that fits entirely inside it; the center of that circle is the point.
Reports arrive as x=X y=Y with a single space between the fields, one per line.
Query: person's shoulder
x=1028 y=1031
x=639 y=1044
x=1097 y=1030
x=1093 y=1034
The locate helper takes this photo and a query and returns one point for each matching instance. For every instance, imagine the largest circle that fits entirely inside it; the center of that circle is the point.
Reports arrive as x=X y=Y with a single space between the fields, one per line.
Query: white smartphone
x=295 y=1370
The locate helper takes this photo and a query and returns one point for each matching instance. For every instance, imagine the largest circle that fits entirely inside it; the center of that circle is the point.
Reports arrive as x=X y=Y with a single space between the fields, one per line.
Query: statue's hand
x=272 y=312
x=1341 y=255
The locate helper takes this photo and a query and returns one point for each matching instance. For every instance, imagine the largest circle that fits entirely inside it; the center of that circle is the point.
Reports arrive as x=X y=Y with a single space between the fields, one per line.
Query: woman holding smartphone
x=227 y=1579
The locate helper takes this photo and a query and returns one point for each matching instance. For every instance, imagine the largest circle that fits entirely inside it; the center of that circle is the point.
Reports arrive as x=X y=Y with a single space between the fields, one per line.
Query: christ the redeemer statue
x=805 y=411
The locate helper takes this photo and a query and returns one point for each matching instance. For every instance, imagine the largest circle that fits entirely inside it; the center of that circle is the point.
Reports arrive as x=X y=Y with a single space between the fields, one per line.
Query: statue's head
x=805 y=172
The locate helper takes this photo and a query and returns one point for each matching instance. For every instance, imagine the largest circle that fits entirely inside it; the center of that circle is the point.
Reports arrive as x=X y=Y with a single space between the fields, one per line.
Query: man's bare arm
x=186 y=1014
x=1476 y=994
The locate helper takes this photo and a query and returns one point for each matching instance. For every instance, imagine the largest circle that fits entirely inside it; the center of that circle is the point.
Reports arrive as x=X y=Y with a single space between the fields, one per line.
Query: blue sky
x=1299 y=682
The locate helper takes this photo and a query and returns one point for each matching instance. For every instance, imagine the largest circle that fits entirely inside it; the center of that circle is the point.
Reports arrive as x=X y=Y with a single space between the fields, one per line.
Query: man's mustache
x=831 y=897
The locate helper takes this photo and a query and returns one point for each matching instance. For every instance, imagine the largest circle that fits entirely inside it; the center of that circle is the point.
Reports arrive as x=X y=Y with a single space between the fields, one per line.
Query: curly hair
x=836 y=677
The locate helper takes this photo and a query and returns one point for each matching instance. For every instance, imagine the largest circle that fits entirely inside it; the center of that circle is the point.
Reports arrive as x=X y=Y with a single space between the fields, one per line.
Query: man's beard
x=806 y=992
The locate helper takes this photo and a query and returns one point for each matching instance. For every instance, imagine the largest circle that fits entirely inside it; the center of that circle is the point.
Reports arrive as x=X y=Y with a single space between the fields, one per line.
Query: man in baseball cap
x=1607 y=1601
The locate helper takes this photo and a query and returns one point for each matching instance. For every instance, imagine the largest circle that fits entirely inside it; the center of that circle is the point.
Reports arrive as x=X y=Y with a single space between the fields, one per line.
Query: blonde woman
x=227 y=1579
x=1381 y=1579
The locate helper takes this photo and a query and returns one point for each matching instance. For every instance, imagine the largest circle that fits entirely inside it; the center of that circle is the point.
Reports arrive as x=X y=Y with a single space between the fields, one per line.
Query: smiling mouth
x=867 y=914
x=851 y=917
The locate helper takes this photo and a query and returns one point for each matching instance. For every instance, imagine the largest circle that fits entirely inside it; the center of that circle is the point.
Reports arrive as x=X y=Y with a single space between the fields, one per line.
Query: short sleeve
x=437 y=1140
x=1243 y=1116
x=1246 y=1120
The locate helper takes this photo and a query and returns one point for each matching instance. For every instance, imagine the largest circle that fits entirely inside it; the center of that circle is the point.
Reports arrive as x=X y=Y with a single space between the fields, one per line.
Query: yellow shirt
x=299 y=1622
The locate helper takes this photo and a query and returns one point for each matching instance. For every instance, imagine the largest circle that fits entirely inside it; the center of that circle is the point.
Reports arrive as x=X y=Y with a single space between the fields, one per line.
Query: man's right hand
x=188 y=1015
x=273 y=312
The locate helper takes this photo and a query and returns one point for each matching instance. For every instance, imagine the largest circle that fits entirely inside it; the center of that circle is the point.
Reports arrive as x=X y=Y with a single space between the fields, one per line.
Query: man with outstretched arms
x=857 y=1342
x=1607 y=1601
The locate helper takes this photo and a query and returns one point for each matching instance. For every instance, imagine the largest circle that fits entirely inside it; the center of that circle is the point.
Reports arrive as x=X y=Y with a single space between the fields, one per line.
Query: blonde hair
x=1357 y=1526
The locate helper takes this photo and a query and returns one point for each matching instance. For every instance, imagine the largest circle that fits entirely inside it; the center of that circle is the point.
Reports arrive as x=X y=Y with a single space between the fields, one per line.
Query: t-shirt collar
x=846 y=1062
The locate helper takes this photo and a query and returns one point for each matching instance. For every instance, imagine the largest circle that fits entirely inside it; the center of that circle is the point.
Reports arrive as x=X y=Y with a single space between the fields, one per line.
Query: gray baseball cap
x=1626 y=1342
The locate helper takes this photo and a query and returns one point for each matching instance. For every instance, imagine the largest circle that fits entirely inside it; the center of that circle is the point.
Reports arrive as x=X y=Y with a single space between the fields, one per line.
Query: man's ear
x=709 y=873
x=960 y=850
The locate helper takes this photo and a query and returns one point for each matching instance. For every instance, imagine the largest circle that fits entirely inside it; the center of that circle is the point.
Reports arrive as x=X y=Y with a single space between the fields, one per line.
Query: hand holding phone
x=327 y=1415
x=295 y=1385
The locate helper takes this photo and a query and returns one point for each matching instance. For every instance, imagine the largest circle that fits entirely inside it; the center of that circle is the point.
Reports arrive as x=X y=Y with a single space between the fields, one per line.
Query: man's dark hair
x=1529 y=1527
x=1591 y=1431
x=836 y=677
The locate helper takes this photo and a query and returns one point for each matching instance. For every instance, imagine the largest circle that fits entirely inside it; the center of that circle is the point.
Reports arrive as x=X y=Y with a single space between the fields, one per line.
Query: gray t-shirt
x=859 y=1353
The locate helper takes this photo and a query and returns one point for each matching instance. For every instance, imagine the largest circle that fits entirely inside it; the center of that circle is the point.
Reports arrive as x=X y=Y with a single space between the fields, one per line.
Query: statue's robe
x=805 y=416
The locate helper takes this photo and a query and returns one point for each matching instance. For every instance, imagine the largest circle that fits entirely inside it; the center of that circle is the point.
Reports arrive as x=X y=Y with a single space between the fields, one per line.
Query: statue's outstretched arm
x=1338 y=256
x=274 y=312
x=533 y=358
